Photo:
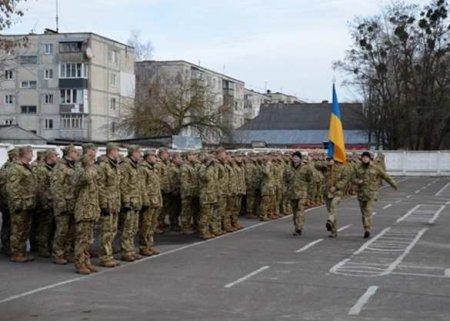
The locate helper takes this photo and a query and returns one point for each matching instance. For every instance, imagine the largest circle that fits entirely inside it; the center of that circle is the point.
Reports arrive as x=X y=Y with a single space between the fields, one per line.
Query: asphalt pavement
x=263 y=272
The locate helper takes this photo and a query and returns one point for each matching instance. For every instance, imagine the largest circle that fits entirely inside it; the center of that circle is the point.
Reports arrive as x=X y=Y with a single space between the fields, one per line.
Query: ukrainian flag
x=336 y=145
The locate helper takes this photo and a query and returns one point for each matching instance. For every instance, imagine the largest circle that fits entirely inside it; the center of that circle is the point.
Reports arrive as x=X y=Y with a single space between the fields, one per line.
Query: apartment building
x=252 y=103
x=67 y=85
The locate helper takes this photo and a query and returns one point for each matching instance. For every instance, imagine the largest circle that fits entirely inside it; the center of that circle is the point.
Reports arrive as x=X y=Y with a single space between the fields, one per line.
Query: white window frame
x=72 y=121
x=48 y=73
x=48 y=48
x=9 y=99
x=113 y=103
x=48 y=123
x=28 y=84
x=114 y=56
x=113 y=80
x=28 y=109
x=74 y=70
x=9 y=74
x=9 y=121
x=48 y=99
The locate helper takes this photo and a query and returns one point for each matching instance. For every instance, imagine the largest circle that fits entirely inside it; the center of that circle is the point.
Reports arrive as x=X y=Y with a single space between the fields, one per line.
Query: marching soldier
x=110 y=202
x=152 y=202
x=297 y=177
x=367 y=177
x=63 y=193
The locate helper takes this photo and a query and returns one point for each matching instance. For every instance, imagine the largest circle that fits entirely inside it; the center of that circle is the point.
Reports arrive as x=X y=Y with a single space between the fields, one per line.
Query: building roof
x=294 y=137
x=16 y=134
x=305 y=116
x=184 y=62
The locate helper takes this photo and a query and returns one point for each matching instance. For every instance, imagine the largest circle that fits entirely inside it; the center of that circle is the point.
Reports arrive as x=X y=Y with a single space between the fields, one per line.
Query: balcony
x=71 y=109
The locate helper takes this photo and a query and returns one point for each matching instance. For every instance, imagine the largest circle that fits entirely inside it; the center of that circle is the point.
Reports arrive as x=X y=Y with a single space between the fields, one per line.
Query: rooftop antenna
x=57 y=17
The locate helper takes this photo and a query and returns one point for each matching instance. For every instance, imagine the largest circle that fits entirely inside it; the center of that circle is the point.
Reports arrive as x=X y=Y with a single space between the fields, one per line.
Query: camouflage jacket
x=87 y=207
x=189 y=180
x=240 y=178
x=150 y=185
x=267 y=179
x=175 y=180
x=367 y=179
x=222 y=179
x=339 y=178
x=297 y=179
x=43 y=177
x=163 y=169
x=62 y=188
x=3 y=180
x=21 y=187
x=208 y=177
x=109 y=185
x=130 y=185
x=232 y=179
x=251 y=176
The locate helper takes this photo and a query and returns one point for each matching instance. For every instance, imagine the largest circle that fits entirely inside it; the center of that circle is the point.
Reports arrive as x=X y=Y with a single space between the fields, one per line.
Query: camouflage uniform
x=110 y=202
x=297 y=178
x=86 y=213
x=131 y=196
x=208 y=220
x=251 y=184
x=189 y=196
x=278 y=177
x=222 y=182
x=367 y=180
x=63 y=193
x=152 y=203
x=163 y=169
x=45 y=206
x=239 y=170
x=21 y=189
x=231 y=197
x=267 y=190
x=175 y=199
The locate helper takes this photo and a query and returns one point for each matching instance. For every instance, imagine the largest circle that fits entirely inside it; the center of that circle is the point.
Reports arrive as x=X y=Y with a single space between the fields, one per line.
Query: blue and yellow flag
x=336 y=145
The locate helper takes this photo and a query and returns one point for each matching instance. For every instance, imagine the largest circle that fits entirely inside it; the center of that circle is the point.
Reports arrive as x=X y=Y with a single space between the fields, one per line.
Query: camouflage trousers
x=6 y=231
x=366 y=207
x=170 y=209
x=20 y=230
x=236 y=210
x=189 y=209
x=332 y=203
x=222 y=212
x=64 y=235
x=130 y=227
x=266 y=206
x=229 y=213
x=286 y=205
x=278 y=200
x=45 y=232
x=298 y=209
x=208 y=220
x=108 y=225
x=147 y=225
x=318 y=191
x=251 y=202
x=84 y=237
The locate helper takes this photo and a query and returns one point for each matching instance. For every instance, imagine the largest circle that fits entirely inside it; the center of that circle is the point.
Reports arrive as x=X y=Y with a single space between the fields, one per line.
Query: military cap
x=297 y=153
x=163 y=150
x=68 y=149
x=88 y=146
x=220 y=149
x=49 y=152
x=150 y=152
x=13 y=152
x=366 y=153
x=133 y=148
x=41 y=153
x=86 y=158
x=112 y=146
x=25 y=149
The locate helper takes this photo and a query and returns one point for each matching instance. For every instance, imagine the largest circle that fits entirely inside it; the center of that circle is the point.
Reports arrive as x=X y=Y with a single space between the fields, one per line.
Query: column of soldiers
x=61 y=204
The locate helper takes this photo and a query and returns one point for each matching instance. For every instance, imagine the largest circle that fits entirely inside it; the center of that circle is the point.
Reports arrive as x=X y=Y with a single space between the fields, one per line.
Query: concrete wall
x=420 y=163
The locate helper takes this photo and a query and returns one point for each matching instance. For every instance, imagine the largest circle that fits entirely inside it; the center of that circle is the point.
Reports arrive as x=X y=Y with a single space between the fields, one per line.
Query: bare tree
x=400 y=62
x=174 y=106
x=143 y=50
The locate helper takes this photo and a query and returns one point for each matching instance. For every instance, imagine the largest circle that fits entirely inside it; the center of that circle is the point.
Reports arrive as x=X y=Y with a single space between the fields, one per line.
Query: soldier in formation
x=150 y=191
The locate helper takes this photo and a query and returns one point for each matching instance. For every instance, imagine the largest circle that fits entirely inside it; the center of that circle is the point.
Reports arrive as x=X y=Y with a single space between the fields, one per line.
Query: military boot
x=128 y=258
x=60 y=261
x=18 y=258
x=155 y=252
x=137 y=256
x=91 y=268
x=146 y=252
x=109 y=264
x=82 y=269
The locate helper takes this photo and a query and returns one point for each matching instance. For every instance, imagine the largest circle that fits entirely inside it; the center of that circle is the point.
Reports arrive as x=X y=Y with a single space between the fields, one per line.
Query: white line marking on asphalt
x=356 y=309
x=409 y=196
x=423 y=187
x=442 y=189
x=374 y=213
x=434 y=218
x=307 y=246
x=421 y=275
x=344 y=227
x=447 y=273
x=417 y=192
x=248 y=276
x=408 y=214
x=387 y=206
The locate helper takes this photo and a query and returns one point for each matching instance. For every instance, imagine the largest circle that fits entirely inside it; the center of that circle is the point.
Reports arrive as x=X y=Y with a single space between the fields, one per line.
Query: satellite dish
x=89 y=53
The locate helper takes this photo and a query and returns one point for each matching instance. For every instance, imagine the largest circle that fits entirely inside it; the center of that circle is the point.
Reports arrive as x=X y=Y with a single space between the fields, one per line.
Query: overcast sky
x=287 y=44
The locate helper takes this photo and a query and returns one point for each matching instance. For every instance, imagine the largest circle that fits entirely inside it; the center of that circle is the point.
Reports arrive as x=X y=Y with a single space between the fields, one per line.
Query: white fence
x=420 y=163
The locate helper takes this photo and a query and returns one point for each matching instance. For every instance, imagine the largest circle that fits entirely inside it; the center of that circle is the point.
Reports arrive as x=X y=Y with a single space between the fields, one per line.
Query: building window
x=71 y=96
x=114 y=56
x=49 y=124
x=113 y=127
x=24 y=60
x=113 y=80
x=9 y=99
x=28 y=109
x=72 y=121
x=48 y=48
x=48 y=74
x=28 y=84
x=73 y=70
x=8 y=121
x=73 y=46
x=48 y=98
x=113 y=103
x=9 y=74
